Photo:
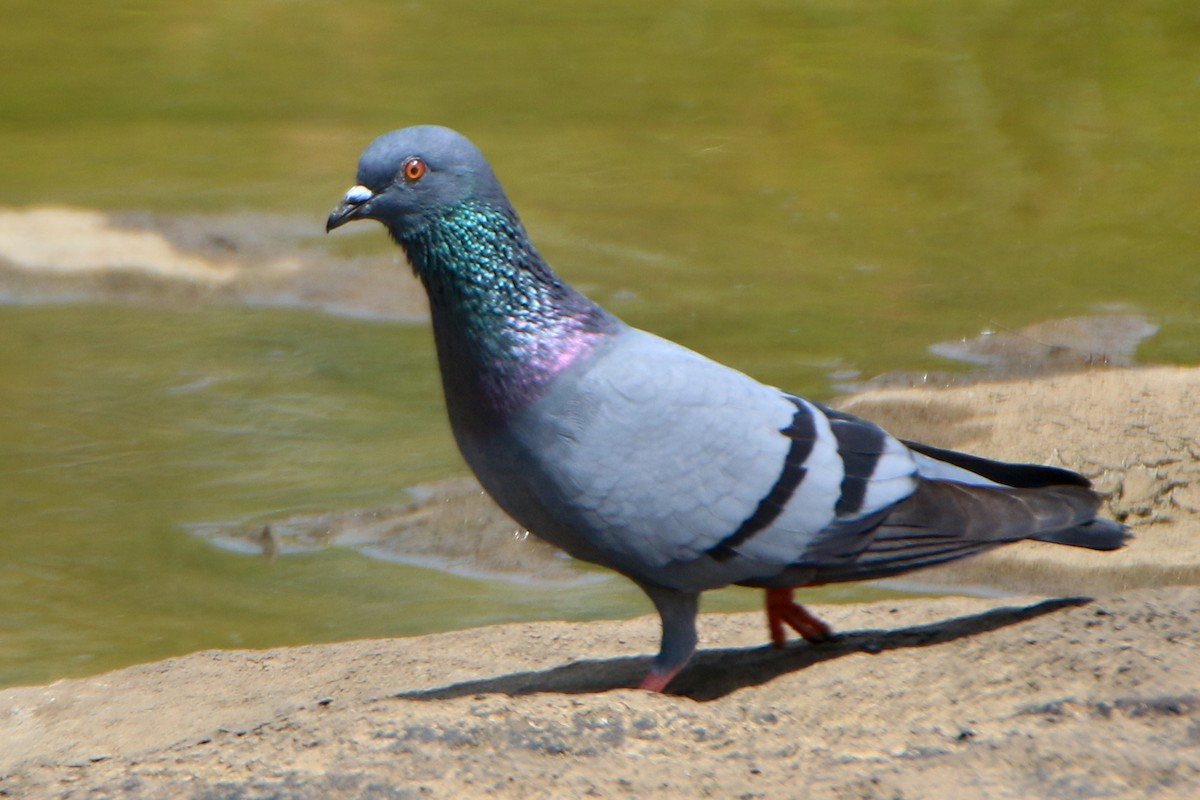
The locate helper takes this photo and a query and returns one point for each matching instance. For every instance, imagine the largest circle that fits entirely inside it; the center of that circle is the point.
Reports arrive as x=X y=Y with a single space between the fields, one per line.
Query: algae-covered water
x=809 y=191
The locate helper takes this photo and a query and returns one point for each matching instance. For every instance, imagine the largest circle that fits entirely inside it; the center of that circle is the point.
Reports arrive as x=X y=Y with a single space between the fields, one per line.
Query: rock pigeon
x=635 y=453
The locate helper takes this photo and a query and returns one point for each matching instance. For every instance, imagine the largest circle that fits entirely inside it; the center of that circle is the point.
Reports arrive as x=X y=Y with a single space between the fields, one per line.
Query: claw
x=781 y=609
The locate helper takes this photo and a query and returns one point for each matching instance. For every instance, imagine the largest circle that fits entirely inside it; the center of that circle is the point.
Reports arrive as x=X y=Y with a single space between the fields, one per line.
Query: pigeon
x=635 y=453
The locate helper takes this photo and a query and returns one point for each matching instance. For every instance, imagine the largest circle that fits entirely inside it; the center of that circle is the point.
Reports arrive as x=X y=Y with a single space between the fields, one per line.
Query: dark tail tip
x=1099 y=534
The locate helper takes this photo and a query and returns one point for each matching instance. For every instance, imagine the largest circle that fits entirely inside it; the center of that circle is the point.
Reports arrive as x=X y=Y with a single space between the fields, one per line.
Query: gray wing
x=686 y=473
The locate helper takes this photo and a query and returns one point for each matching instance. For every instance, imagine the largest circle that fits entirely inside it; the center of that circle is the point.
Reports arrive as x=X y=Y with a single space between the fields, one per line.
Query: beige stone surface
x=950 y=698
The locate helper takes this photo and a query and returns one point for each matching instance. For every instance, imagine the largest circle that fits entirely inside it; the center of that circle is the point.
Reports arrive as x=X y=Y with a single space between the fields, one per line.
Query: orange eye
x=413 y=170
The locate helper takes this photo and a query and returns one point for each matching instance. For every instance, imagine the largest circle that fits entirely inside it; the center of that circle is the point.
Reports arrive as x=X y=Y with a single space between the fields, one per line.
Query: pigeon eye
x=413 y=170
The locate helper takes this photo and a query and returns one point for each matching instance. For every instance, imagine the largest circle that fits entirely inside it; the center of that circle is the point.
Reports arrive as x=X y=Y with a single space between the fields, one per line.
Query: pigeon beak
x=350 y=208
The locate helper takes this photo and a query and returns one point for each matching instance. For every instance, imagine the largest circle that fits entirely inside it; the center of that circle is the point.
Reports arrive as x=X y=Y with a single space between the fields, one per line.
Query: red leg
x=782 y=609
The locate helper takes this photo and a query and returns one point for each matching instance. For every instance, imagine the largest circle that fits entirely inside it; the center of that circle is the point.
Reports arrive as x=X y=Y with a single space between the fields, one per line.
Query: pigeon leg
x=678 y=613
x=781 y=609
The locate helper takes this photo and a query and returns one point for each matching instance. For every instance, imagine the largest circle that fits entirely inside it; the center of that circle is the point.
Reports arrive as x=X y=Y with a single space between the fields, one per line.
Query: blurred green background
x=798 y=189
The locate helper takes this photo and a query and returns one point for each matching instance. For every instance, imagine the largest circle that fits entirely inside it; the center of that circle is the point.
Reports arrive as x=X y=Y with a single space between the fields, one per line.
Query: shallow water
x=812 y=193
x=124 y=428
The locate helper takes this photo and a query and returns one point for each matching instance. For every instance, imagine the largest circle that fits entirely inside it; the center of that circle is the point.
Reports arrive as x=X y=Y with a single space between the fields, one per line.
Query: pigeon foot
x=782 y=609
x=656 y=681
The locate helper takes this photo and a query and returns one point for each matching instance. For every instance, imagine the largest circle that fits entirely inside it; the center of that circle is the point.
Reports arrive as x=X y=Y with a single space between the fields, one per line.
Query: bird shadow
x=713 y=674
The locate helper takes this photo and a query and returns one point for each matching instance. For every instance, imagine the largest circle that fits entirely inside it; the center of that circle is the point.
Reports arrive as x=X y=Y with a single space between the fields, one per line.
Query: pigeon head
x=410 y=177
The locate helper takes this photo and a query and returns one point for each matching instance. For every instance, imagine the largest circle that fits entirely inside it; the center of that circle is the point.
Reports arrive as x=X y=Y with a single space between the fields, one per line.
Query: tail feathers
x=944 y=521
x=1093 y=534
x=1099 y=534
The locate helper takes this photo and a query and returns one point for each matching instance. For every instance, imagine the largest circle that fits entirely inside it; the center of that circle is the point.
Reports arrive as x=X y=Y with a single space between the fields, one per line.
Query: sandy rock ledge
x=962 y=698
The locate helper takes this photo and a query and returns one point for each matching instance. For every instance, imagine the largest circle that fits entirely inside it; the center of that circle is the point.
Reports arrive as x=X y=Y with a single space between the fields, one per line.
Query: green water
x=794 y=188
x=123 y=426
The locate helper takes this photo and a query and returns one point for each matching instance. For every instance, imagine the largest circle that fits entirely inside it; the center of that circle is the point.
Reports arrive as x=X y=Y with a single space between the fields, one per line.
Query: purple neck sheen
x=504 y=324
